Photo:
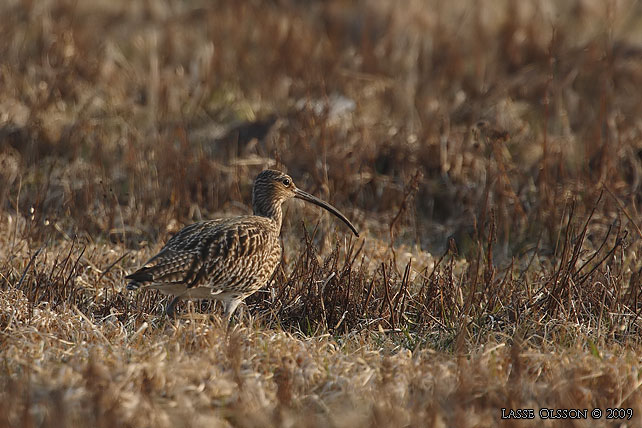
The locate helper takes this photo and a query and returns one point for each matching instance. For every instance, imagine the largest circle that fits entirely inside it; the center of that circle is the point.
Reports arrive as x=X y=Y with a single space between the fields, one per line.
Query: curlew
x=226 y=259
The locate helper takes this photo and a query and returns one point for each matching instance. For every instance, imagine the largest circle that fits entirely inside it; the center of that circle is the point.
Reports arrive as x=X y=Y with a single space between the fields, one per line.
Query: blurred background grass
x=119 y=117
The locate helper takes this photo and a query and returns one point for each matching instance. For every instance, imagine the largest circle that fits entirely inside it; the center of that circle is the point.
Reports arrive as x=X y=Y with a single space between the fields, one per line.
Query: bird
x=226 y=259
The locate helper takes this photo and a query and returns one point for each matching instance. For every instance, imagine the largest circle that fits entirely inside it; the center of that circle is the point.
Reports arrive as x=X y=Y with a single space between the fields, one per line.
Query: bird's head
x=272 y=188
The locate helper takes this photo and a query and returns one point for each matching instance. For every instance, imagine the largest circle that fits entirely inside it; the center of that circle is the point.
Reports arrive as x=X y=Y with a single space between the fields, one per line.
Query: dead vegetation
x=490 y=154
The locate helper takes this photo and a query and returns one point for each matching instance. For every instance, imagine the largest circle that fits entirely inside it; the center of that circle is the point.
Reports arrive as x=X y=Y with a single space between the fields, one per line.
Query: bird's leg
x=230 y=307
x=169 y=310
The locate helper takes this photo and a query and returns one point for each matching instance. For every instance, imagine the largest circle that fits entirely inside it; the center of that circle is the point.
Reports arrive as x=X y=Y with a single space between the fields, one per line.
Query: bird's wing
x=220 y=253
x=178 y=259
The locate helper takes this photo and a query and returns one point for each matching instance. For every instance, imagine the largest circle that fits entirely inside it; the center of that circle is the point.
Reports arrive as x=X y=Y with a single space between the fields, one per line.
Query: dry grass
x=490 y=154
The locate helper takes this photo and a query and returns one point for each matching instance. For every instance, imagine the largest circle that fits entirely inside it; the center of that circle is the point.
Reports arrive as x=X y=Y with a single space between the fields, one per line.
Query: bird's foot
x=170 y=310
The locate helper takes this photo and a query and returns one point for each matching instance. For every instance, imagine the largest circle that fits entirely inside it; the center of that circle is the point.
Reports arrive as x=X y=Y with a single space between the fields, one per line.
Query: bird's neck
x=271 y=211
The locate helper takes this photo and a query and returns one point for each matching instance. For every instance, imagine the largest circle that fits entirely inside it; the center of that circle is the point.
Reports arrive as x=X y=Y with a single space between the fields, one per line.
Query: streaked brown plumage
x=226 y=259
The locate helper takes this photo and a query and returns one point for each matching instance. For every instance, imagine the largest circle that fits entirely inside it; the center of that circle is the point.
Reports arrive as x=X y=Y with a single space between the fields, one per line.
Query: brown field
x=489 y=152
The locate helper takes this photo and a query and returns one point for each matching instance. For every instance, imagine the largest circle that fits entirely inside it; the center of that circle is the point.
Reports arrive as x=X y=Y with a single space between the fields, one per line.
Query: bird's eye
x=286 y=182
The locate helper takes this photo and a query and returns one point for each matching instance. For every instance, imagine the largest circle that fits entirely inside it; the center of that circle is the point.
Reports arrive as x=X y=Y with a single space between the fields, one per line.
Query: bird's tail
x=133 y=285
x=138 y=278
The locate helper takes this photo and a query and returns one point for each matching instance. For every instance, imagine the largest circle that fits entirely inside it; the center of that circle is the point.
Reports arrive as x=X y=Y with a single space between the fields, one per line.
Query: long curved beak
x=300 y=194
